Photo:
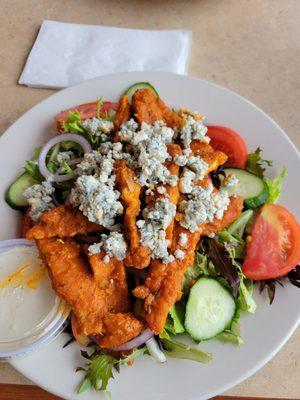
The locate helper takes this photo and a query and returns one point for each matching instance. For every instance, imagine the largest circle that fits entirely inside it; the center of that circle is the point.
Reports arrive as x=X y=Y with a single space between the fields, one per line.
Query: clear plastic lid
x=31 y=314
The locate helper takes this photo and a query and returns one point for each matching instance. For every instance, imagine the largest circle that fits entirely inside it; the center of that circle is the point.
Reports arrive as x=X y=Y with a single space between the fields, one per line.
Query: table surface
x=249 y=46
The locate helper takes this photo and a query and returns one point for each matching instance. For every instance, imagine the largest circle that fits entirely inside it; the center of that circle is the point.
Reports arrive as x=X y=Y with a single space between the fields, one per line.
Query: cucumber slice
x=253 y=189
x=210 y=309
x=140 y=85
x=14 y=194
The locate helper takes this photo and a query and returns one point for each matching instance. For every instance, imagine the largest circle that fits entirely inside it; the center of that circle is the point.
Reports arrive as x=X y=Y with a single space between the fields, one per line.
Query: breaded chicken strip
x=123 y=113
x=120 y=325
x=111 y=279
x=172 y=192
x=62 y=222
x=98 y=311
x=212 y=157
x=149 y=108
x=139 y=255
x=162 y=287
x=72 y=280
x=130 y=189
x=119 y=329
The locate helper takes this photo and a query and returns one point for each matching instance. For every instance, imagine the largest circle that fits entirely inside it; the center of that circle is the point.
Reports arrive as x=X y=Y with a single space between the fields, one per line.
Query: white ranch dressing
x=27 y=300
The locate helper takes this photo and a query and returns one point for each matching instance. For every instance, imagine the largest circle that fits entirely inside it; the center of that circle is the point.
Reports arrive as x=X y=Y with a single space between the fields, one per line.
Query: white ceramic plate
x=53 y=368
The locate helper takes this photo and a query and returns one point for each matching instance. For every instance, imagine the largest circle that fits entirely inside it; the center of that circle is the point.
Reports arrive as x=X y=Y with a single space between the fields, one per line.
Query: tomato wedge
x=87 y=110
x=231 y=143
x=273 y=248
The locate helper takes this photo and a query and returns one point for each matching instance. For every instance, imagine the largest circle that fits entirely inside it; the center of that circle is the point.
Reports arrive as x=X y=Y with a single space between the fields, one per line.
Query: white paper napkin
x=65 y=54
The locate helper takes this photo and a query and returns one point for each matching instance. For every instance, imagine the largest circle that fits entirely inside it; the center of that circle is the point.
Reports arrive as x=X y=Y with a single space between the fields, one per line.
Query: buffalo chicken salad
x=152 y=225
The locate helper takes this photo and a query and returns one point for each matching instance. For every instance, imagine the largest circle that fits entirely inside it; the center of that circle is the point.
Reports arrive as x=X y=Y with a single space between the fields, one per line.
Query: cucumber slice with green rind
x=14 y=193
x=140 y=85
x=210 y=309
x=252 y=188
x=256 y=202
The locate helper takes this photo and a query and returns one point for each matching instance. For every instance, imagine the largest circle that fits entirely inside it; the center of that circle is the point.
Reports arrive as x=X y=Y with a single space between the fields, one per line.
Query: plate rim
x=234 y=381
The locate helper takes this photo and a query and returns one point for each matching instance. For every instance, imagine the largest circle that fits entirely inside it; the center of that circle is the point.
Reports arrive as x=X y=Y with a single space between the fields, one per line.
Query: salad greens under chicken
x=153 y=225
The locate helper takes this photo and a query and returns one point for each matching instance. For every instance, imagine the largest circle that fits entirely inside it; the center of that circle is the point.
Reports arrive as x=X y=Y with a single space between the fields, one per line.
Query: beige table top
x=250 y=46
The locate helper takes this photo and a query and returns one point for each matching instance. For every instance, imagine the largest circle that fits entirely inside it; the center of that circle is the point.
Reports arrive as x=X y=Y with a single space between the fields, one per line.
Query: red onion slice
x=72 y=137
x=136 y=342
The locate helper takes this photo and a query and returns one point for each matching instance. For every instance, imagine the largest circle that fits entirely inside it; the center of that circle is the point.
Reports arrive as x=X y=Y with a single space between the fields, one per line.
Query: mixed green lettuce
x=275 y=186
x=257 y=166
x=175 y=320
x=100 y=368
x=175 y=349
x=73 y=123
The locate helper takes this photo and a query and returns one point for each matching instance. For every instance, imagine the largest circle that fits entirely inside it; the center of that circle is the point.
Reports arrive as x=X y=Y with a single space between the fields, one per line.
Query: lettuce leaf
x=228 y=336
x=133 y=355
x=275 y=186
x=236 y=251
x=245 y=301
x=192 y=273
x=235 y=247
x=32 y=167
x=176 y=349
x=66 y=169
x=223 y=263
x=232 y=335
x=99 y=372
x=73 y=123
x=72 y=146
x=237 y=228
x=100 y=368
x=175 y=319
x=232 y=239
x=255 y=164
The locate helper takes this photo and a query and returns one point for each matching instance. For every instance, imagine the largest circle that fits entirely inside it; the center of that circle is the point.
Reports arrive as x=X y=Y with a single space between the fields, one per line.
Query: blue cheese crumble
x=89 y=164
x=198 y=166
x=97 y=200
x=203 y=205
x=194 y=170
x=194 y=129
x=113 y=245
x=153 y=228
x=180 y=160
x=230 y=180
x=179 y=254
x=39 y=198
x=64 y=156
x=183 y=239
x=150 y=151
x=186 y=181
x=94 y=191
x=98 y=126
